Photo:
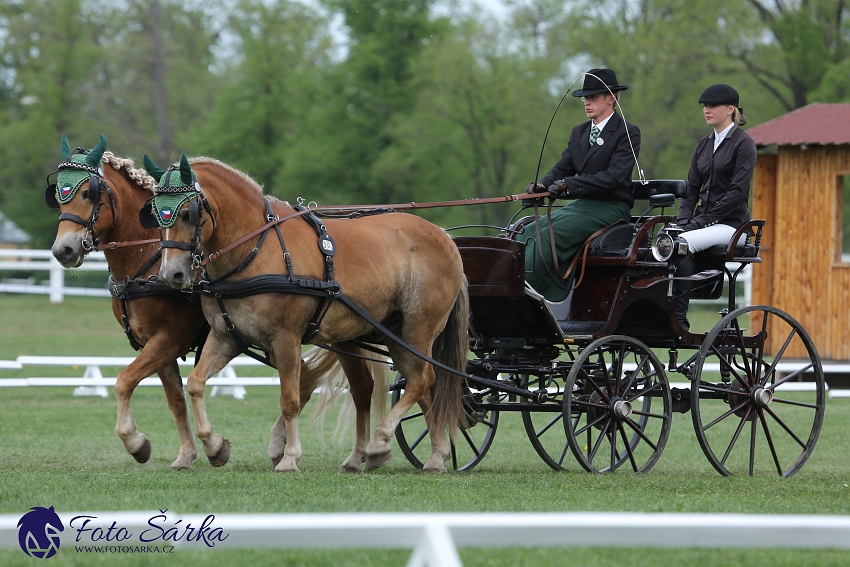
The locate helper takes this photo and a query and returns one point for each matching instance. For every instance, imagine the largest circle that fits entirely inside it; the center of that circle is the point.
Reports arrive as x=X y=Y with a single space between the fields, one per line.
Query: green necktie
x=594 y=133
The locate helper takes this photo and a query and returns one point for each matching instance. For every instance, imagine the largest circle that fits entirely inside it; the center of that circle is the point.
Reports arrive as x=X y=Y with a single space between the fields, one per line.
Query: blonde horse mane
x=126 y=165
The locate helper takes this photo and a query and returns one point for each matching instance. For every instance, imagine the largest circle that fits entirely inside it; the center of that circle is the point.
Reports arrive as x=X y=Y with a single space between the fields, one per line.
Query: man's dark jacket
x=602 y=172
x=720 y=180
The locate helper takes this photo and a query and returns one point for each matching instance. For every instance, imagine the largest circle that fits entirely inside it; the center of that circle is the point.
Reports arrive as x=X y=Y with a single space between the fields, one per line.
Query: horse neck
x=238 y=209
x=127 y=199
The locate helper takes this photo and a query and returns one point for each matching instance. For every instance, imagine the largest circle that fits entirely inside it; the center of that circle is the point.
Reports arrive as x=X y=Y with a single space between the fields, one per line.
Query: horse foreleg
x=288 y=358
x=173 y=386
x=360 y=384
x=216 y=356
x=156 y=356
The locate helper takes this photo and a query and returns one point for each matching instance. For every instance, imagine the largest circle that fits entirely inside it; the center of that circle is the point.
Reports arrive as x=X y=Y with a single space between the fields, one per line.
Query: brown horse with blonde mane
x=99 y=195
x=401 y=270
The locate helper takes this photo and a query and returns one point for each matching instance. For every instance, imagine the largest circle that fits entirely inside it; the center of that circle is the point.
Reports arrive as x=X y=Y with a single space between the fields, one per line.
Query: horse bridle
x=94 y=193
x=197 y=204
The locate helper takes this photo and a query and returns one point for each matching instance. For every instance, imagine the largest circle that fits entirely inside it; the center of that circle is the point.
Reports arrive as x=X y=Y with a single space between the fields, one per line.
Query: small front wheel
x=472 y=443
x=617 y=406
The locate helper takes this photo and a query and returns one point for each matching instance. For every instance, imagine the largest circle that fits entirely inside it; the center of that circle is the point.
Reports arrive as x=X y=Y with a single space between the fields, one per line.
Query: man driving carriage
x=595 y=173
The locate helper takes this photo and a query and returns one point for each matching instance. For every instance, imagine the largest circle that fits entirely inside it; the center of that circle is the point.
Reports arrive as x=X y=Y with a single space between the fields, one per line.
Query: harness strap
x=251 y=235
x=116 y=245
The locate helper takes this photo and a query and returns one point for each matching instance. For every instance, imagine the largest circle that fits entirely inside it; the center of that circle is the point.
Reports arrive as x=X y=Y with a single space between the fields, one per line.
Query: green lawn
x=59 y=450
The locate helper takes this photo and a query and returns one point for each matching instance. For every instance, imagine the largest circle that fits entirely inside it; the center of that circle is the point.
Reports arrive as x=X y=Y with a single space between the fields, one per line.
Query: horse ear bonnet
x=147 y=218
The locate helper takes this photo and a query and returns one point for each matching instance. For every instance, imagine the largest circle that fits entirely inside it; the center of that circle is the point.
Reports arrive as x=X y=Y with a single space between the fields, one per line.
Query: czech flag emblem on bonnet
x=165 y=214
x=65 y=190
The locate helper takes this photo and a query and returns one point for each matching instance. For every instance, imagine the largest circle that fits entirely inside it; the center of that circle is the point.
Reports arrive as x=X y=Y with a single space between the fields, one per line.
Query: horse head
x=80 y=191
x=177 y=208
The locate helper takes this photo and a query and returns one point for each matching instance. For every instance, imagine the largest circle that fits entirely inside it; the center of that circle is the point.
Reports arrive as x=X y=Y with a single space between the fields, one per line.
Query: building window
x=842 y=240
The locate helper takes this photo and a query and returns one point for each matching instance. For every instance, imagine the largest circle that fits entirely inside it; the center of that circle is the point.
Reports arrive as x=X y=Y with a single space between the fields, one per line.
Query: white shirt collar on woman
x=721 y=136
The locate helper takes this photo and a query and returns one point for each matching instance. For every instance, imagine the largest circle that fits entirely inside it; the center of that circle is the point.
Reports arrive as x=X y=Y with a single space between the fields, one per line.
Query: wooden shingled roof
x=815 y=124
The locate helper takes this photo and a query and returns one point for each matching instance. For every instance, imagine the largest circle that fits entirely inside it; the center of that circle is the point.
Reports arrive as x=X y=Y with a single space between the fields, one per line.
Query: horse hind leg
x=288 y=358
x=173 y=386
x=360 y=385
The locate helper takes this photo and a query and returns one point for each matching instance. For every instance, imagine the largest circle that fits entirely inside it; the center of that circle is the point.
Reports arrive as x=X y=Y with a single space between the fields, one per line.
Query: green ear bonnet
x=76 y=167
x=177 y=185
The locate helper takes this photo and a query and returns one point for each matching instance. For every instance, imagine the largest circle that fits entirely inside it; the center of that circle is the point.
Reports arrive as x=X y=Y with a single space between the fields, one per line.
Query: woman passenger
x=718 y=185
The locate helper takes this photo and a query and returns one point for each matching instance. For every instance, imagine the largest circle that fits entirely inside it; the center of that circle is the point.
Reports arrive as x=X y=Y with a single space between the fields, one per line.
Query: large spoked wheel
x=472 y=442
x=544 y=425
x=750 y=410
x=618 y=404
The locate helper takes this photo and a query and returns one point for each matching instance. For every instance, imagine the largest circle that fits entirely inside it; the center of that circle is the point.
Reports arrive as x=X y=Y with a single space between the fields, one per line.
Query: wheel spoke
x=760 y=348
x=598 y=389
x=735 y=436
x=550 y=424
x=637 y=429
x=622 y=431
x=598 y=443
x=770 y=442
x=470 y=442
x=785 y=427
x=411 y=416
x=713 y=388
x=591 y=424
x=633 y=377
x=613 y=437
x=790 y=376
x=418 y=440
x=563 y=453
x=647 y=414
x=605 y=373
x=747 y=367
x=795 y=403
x=454 y=457
x=731 y=368
x=781 y=352
x=752 y=445
x=727 y=414
x=643 y=393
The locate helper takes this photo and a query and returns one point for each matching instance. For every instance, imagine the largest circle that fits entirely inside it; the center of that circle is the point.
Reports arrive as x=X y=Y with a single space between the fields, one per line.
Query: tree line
x=386 y=101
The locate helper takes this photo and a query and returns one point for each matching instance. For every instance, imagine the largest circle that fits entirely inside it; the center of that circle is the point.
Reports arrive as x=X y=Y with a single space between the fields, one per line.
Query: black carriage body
x=583 y=372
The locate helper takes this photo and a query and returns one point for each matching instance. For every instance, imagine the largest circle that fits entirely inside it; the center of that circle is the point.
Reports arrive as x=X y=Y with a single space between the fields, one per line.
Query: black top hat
x=719 y=94
x=599 y=81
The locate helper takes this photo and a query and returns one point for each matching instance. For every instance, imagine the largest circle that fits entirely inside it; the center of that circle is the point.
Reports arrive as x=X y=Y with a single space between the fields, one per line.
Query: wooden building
x=802 y=189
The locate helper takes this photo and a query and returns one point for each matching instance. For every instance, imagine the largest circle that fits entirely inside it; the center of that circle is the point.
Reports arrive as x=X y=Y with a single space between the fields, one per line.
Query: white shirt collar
x=721 y=136
x=602 y=124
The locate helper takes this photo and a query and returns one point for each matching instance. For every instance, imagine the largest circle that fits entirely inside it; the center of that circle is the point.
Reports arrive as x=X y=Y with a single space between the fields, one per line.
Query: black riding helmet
x=719 y=94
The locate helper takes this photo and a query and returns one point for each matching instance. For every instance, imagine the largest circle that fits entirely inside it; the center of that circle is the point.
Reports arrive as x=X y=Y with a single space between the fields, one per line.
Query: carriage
x=587 y=376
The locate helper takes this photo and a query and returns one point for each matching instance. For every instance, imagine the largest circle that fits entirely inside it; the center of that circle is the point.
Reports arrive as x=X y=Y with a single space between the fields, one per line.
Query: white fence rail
x=93 y=382
x=434 y=538
x=20 y=260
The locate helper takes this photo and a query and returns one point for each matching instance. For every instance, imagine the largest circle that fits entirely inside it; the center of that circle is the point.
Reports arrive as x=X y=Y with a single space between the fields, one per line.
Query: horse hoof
x=181 y=464
x=276 y=460
x=435 y=470
x=220 y=459
x=350 y=469
x=377 y=460
x=144 y=452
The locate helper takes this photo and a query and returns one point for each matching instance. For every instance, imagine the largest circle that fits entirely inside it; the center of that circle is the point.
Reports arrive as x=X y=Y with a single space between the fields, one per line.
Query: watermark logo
x=38 y=532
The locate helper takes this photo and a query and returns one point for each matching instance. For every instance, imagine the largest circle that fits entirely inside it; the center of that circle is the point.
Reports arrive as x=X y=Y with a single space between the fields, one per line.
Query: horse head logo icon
x=38 y=532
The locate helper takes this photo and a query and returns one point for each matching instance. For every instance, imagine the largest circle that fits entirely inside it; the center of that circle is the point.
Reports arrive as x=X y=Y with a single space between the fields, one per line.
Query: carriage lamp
x=663 y=247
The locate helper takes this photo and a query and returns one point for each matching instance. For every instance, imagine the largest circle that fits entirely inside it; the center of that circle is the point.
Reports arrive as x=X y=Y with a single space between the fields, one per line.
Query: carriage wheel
x=543 y=426
x=619 y=406
x=471 y=444
x=750 y=411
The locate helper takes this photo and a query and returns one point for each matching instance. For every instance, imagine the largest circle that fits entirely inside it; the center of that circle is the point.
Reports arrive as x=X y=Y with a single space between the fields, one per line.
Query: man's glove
x=688 y=224
x=559 y=188
x=533 y=188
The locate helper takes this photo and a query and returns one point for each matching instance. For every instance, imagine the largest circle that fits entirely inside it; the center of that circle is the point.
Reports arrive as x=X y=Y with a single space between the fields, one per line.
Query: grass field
x=58 y=450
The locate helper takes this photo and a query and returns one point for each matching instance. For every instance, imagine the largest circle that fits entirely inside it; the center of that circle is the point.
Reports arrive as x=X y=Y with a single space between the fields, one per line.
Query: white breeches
x=703 y=238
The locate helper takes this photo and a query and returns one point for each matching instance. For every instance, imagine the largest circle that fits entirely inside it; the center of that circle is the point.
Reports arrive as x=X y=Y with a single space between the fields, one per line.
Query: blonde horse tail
x=451 y=348
x=321 y=370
